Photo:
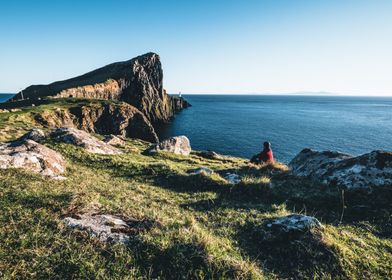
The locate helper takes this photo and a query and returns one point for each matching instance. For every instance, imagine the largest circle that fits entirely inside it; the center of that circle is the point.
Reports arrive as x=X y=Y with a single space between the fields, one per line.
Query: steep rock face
x=363 y=172
x=118 y=119
x=137 y=81
x=123 y=120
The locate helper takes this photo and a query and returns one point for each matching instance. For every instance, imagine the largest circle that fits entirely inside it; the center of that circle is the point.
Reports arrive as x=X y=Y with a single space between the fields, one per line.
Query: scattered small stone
x=83 y=139
x=233 y=178
x=178 y=145
x=200 y=170
x=114 y=140
x=29 y=155
x=15 y=110
x=210 y=155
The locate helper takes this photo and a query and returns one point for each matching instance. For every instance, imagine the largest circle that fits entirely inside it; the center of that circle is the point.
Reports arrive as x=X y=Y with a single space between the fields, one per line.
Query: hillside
x=181 y=225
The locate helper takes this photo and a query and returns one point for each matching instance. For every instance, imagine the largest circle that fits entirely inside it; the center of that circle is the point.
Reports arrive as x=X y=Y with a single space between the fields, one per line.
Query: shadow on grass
x=298 y=257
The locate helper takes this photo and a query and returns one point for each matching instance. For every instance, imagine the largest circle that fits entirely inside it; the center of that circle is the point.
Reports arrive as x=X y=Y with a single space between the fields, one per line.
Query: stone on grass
x=114 y=140
x=31 y=156
x=290 y=226
x=210 y=155
x=83 y=139
x=200 y=170
x=35 y=134
x=232 y=178
x=106 y=228
x=367 y=171
x=178 y=145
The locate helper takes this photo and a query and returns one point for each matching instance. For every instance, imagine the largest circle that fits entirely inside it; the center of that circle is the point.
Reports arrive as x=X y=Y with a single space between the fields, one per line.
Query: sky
x=206 y=46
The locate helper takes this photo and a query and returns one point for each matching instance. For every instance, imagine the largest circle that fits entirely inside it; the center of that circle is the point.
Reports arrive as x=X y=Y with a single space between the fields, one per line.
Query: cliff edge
x=138 y=81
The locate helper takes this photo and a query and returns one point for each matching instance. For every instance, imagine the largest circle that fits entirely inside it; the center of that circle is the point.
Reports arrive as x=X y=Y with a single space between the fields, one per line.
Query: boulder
x=178 y=145
x=114 y=140
x=107 y=228
x=83 y=139
x=31 y=156
x=35 y=134
x=367 y=171
x=4 y=111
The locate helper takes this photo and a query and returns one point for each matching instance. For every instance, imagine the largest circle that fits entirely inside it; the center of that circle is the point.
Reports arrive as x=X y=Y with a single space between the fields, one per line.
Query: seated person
x=265 y=156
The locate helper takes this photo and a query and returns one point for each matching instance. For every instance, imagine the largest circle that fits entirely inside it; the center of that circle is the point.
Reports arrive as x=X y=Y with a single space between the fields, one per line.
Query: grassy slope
x=204 y=228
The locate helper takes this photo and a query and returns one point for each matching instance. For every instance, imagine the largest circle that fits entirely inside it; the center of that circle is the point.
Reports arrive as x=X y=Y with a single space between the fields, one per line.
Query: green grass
x=204 y=227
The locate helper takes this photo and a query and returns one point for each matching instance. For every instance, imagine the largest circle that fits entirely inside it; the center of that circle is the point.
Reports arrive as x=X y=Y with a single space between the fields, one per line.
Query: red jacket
x=267 y=156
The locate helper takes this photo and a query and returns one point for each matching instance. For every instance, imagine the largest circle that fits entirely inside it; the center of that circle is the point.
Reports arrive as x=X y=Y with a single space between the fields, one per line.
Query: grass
x=204 y=227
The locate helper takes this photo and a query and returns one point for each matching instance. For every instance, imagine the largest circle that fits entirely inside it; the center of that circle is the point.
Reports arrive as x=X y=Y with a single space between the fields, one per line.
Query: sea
x=238 y=125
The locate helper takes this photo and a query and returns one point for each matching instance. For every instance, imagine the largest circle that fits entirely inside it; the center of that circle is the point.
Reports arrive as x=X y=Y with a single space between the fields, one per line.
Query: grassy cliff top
x=203 y=226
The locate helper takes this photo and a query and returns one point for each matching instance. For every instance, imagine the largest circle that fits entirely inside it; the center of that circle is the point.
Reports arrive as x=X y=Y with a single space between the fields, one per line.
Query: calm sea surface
x=4 y=97
x=238 y=124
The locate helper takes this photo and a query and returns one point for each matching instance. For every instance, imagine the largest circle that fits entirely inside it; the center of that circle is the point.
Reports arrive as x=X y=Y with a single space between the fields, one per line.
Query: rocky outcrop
x=83 y=139
x=138 y=81
x=178 y=145
x=31 y=156
x=368 y=171
x=118 y=119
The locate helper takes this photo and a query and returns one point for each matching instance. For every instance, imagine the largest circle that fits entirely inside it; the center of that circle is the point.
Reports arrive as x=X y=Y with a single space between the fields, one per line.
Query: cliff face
x=118 y=119
x=137 y=81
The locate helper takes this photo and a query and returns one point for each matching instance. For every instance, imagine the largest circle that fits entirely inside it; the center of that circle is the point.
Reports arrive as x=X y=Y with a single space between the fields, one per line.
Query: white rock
x=178 y=145
x=363 y=172
x=106 y=228
x=31 y=156
x=83 y=139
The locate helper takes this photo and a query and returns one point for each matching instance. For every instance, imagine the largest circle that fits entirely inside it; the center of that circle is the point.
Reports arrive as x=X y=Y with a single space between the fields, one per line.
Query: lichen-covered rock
x=31 y=156
x=35 y=134
x=83 y=139
x=106 y=228
x=114 y=140
x=363 y=172
x=178 y=145
x=289 y=226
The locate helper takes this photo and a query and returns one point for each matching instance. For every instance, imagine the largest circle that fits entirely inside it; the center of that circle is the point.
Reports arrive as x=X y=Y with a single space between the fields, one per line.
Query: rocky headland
x=87 y=190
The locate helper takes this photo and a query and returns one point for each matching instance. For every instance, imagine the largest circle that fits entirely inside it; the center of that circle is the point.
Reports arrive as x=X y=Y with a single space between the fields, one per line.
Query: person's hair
x=267 y=145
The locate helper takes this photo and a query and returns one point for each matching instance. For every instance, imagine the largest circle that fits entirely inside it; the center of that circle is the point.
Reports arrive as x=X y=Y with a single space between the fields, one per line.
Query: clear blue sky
x=206 y=46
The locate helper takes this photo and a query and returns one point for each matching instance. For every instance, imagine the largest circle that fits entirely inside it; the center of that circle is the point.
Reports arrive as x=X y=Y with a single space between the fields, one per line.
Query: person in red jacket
x=265 y=156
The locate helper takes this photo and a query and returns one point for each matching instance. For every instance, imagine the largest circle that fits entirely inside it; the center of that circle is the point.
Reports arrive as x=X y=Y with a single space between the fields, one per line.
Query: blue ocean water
x=5 y=96
x=239 y=124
